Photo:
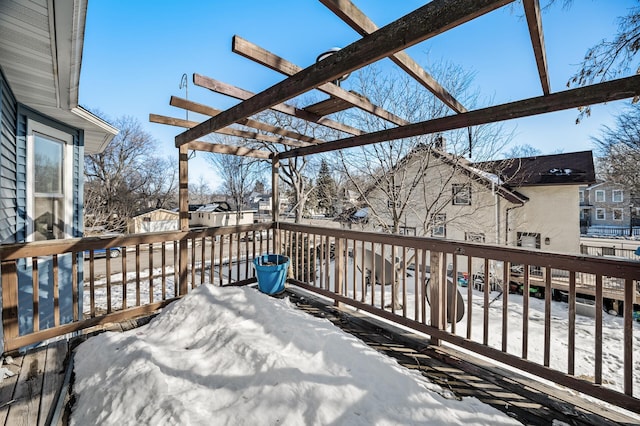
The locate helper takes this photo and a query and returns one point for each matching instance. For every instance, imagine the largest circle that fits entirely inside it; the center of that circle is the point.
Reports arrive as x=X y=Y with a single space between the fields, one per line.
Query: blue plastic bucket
x=271 y=271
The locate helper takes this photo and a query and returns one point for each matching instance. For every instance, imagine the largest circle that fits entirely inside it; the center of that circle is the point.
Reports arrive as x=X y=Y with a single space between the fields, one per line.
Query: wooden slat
x=193 y=262
x=150 y=273
x=276 y=63
x=328 y=106
x=598 y=332
x=506 y=274
x=75 y=286
x=56 y=291
x=179 y=122
x=92 y=284
x=571 y=345
x=357 y=20
x=229 y=149
x=8 y=388
x=629 y=370
x=547 y=317
x=35 y=285
x=138 y=275
x=525 y=313
x=430 y=20
x=485 y=312
x=183 y=199
x=53 y=377
x=124 y=278
x=534 y=22
x=238 y=93
x=25 y=409
x=207 y=110
x=108 y=272
x=588 y=95
x=470 y=284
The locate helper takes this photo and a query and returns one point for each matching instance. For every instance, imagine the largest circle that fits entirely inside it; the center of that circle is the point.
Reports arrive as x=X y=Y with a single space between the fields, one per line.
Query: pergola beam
x=598 y=93
x=238 y=93
x=357 y=20
x=534 y=22
x=270 y=60
x=229 y=149
x=207 y=110
x=188 y=124
x=430 y=20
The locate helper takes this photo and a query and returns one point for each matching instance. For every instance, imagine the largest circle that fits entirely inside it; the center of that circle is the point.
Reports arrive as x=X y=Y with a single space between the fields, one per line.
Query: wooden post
x=339 y=259
x=275 y=201
x=183 y=197
x=9 y=301
x=438 y=280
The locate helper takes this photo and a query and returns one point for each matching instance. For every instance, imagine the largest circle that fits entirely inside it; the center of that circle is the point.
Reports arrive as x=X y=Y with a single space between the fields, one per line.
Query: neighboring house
x=218 y=214
x=154 y=220
x=607 y=205
x=44 y=137
x=530 y=202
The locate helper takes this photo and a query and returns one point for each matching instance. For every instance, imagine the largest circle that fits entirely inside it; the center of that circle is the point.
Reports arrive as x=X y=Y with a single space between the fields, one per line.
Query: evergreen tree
x=327 y=190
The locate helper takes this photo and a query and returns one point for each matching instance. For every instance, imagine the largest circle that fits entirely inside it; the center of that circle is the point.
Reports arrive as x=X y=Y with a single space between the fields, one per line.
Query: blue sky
x=136 y=52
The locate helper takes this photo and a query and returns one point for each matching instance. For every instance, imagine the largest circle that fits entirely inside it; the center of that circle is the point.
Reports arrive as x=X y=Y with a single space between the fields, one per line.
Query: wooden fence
x=387 y=275
x=150 y=272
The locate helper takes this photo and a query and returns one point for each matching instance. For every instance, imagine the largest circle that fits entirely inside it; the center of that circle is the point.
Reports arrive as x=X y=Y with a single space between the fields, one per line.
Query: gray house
x=44 y=136
x=608 y=208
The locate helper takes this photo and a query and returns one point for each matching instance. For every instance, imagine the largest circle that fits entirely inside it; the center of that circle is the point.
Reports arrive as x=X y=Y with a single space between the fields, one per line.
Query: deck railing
x=148 y=273
x=387 y=275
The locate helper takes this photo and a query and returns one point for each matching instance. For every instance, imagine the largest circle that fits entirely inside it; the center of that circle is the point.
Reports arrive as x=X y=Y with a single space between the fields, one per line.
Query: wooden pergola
x=426 y=22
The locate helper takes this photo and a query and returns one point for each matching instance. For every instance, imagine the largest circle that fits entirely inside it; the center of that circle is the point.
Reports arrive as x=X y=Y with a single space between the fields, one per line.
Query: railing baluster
x=193 y=263
x=176 y=268
x=212 y=255
x=124 y=277
x=92 y=284
x=164 y=274
x=74 y=286
x=238 y=278
x=547 y=316
x=35 y=283
x=339 y=269
x=598 y=331
x=453 y=315
x=203 y=257
x=628 y=336
x=137 y=274
x=9 y=282
x=383 y=278
x=506 y=282
x=572 y=324
x=108 y=268
x=470 y=284
x=151 y=273
x=56 y=292
x=246 y=253
x=485 y=316
x=404 y=281
x=423 y=289
x=230 y=253
x=221 y=264
x=525 y=313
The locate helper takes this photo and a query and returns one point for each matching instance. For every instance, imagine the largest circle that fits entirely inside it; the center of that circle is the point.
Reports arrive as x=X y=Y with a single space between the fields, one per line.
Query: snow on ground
x=236 y=356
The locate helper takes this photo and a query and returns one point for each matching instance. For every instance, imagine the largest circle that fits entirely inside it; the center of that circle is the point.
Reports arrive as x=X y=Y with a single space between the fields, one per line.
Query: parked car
x=114 y=251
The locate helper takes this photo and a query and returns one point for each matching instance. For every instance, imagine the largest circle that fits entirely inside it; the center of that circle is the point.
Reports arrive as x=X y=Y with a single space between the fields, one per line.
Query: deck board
x=460 y=375
x=29 y=397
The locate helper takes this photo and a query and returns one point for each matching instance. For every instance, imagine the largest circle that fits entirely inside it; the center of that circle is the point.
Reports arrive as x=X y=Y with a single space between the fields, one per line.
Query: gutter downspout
x=506 y=220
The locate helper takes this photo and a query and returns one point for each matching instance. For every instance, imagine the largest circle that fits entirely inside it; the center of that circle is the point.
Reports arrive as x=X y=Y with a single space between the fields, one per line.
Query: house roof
x=574 y=168
x=41 y=54
x=482 y=177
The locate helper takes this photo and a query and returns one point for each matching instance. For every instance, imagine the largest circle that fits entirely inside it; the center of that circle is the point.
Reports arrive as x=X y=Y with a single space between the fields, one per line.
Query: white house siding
x=553 y=212
x=213 y=219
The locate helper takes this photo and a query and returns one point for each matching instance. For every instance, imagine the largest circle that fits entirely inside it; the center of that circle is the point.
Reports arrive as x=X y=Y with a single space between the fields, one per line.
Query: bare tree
x=389 y=176
x=200 y=192
x=238 y=174
x=619 y=150
x=126 y=177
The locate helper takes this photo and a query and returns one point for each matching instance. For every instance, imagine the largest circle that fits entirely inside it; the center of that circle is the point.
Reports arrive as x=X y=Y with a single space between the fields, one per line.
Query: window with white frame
x=438 y=225
x=49 y=182
x=461 y=194
x=600 y=196
x=618 y=215
x=600 y=214
x=617 y=196
x=582 y=196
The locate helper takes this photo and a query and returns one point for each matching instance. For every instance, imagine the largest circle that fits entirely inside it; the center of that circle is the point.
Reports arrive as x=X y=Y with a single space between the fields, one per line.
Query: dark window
x=461 y=194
